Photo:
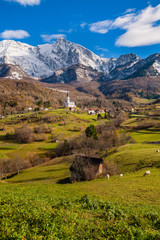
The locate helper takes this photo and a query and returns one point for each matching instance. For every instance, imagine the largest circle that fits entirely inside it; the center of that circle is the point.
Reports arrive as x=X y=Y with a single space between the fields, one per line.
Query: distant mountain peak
x=44 y=60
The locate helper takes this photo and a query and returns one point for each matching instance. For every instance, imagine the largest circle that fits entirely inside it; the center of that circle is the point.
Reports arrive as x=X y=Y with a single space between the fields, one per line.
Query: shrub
x=64 y=148
x=99 y=116
x=9 y=136
x=112 y=168
x=91 y=131
x=42 y=129
x=33 y=159
x=41 y=137
x=54 y=137
x=24 y=134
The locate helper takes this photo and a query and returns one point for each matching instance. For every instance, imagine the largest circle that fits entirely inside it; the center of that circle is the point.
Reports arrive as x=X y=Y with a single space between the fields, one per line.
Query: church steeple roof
x=69 y=103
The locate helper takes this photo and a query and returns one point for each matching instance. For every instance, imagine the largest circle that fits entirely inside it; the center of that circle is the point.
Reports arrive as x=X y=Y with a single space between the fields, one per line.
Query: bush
x=24 y=134
x=9 y=136
x=91 y=131
x=112 y=168
x=99 y=116
x=42 y=129
x=33 y=159
x=64 y=148
x=41 y=137
x=54 y=137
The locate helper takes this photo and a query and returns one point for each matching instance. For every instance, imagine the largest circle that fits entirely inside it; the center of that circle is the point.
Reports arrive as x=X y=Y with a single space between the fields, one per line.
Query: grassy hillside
x=64 y=125
x=140 y=87
x=17 y=96
x=133 y=187
x=135 y=156
x=126 y=208
x=41 y=203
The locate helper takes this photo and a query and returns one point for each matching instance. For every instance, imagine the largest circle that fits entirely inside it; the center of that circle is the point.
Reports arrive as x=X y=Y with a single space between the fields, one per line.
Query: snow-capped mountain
x=24 y=56
x=45 y=60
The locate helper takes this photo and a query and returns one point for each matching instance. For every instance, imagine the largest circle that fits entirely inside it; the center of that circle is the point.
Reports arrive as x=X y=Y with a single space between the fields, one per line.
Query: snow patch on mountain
x=44 y=60
x=156 y=66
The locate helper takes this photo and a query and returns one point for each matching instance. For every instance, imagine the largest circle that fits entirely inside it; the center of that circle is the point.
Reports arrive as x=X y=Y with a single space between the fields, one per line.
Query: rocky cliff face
x=79 y=73
x=12 y=72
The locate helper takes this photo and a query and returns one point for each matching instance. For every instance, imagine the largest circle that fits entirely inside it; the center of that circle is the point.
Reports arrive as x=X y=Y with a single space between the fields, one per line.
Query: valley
x=116 y=120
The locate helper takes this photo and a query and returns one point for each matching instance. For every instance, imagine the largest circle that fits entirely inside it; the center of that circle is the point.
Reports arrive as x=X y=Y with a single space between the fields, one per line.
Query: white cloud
x=26 y=2
x=101 y=49
x=129 y=10
x=70 y=30
x=14 y=34
x=82 y=25
x=123 y=22
x=101 y=26
x=49 y=38
x=142 y=28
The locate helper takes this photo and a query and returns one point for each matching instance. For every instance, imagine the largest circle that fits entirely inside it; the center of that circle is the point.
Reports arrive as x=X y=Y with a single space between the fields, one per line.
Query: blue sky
x=108 y=28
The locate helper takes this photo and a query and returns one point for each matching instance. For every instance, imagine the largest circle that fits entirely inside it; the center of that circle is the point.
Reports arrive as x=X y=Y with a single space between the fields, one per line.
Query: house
x=69 y=104
x=86 y=168
x=100 y=110
x=91 y=112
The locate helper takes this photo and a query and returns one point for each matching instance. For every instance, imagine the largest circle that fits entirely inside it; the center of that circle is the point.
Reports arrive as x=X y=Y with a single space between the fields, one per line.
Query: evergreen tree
x=99 y=116
x=91 y=131
x=105 y=115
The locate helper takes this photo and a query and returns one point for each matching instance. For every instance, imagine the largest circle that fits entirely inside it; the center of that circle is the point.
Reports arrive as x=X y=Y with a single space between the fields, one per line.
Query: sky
x=109 y=28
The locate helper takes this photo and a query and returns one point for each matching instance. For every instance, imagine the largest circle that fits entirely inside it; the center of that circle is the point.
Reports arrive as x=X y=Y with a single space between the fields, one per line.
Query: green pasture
x=6 y=148
x=41 y=174
x=116 y=209
x=71 y=126
x=147 y=135
x=52 y=181
x=41 y=204
x=131 y=157
x=37 y=147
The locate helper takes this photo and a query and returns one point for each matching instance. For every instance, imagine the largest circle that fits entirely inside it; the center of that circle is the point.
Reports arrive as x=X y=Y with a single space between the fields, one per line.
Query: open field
x=114 y=209
x=132 y=188
x=41 y=203
x=68 y=125
x=132 y=157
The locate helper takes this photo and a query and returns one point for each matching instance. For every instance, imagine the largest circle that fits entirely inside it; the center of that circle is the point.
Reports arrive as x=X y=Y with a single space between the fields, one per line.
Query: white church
x=68 y=103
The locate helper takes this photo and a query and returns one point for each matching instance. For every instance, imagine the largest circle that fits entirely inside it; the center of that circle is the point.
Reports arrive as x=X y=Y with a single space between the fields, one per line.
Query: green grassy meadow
x=72 y=125
x=41 y=203
x=126 y=208
x=132 y=188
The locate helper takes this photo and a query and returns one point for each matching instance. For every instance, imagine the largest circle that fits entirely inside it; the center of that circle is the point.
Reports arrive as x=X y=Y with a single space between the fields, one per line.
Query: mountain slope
x=141 y=87
x=42 y=61
x=75 y=73
x=12 y=72
x=24 y=56
x=58 y=60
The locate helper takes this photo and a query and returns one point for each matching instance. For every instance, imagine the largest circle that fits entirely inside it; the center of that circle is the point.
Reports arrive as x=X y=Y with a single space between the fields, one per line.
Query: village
x=71 y=106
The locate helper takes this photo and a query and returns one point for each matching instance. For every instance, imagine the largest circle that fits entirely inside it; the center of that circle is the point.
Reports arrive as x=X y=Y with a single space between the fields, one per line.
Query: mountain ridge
x=44 y=61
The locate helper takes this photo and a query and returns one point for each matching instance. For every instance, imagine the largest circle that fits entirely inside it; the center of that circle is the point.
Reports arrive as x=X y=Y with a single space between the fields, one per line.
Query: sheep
x=107 y=176
x=147 y=173
x=157 y=151
x=120 y=175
